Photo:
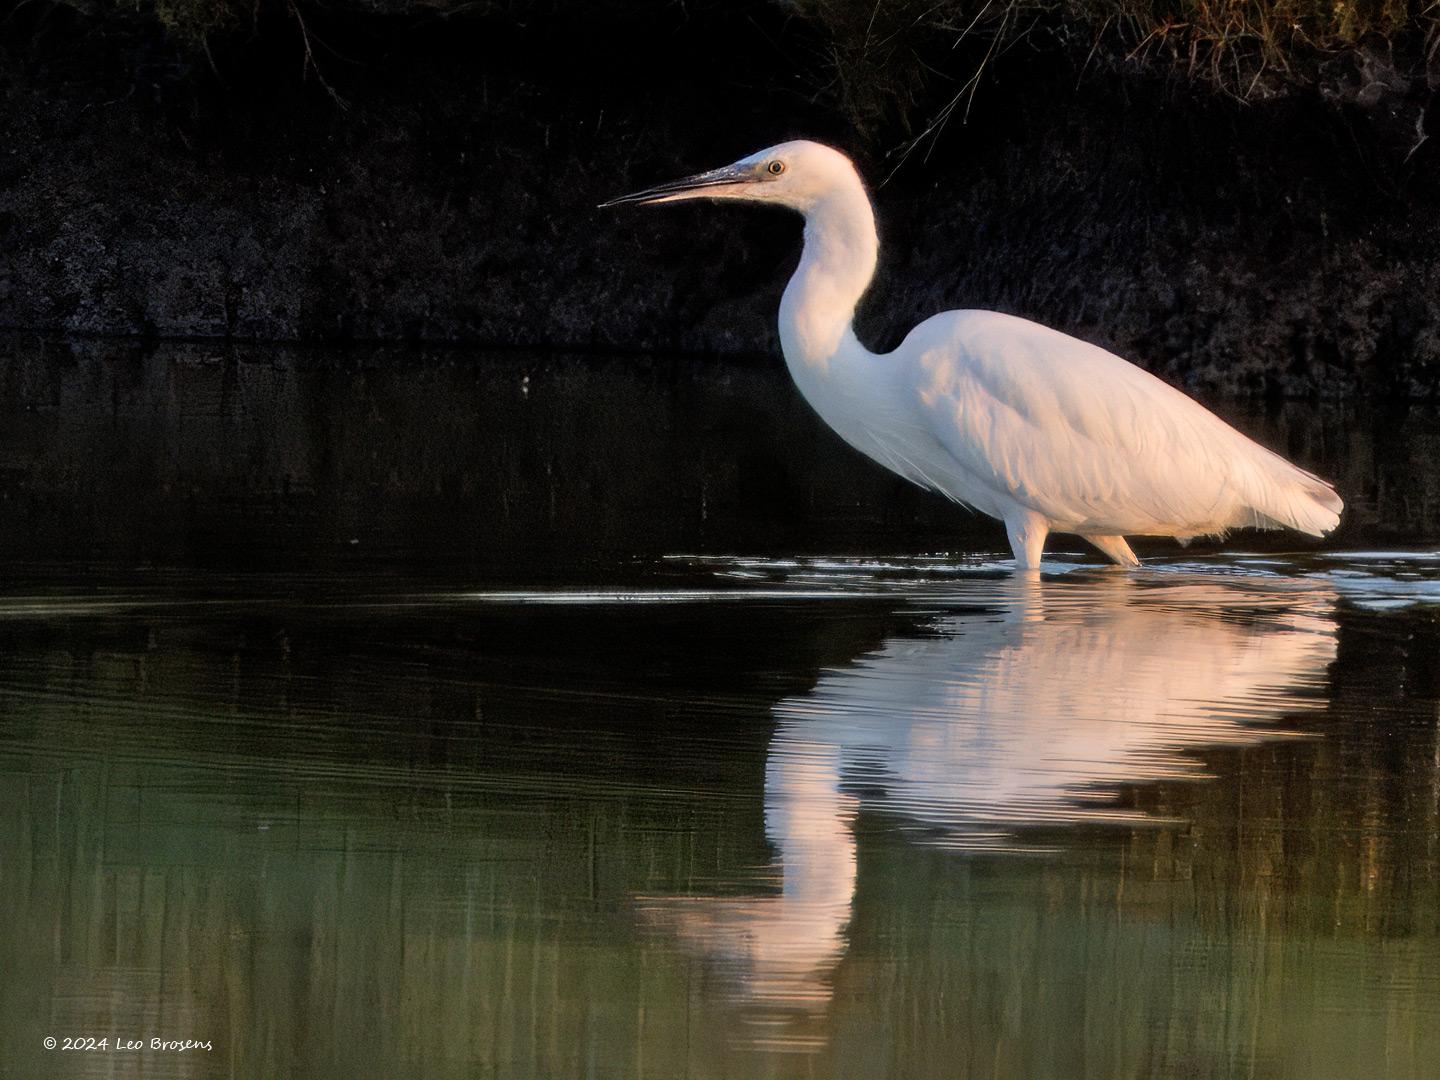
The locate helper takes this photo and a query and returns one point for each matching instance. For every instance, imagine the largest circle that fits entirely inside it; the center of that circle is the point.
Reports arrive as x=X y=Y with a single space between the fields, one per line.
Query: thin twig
x=309 y=63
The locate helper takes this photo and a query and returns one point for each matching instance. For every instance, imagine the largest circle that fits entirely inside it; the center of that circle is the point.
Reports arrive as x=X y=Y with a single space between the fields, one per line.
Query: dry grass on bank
x=910 y=66
x=1201 y=35
x=888 y=64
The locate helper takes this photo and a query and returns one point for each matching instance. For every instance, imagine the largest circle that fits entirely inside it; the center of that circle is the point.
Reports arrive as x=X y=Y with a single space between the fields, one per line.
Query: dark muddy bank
x=1284 y=247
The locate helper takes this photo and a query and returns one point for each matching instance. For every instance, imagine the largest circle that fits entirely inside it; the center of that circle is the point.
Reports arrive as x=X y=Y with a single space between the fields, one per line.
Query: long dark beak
x=706 y=185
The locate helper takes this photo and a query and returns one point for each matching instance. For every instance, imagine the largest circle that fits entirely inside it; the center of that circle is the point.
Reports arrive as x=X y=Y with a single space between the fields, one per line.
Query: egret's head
x=795 y=174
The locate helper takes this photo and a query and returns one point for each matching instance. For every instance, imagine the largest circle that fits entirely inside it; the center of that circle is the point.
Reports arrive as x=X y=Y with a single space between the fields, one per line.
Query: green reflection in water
x=877 y=824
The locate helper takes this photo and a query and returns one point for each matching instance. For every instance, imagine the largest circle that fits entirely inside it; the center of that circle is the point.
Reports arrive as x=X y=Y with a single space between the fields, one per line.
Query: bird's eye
x=776 y=168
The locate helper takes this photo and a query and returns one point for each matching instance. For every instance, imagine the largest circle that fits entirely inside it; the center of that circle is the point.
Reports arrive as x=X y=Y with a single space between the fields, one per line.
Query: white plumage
x=1014 y=419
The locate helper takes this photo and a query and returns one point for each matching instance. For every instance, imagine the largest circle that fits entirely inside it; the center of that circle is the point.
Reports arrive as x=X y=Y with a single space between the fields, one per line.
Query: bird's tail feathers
x=1283 y=496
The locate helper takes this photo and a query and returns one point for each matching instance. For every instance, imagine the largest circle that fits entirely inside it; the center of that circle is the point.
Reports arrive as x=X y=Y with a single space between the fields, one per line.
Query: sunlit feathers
x=1014 y=419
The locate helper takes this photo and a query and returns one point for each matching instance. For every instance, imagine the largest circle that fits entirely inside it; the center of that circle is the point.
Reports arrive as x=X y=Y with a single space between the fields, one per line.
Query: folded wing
x=1090 y=441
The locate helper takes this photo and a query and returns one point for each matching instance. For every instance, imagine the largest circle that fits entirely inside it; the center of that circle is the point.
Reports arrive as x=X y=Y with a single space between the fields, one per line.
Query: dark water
x=419 y=721
x=510 y=465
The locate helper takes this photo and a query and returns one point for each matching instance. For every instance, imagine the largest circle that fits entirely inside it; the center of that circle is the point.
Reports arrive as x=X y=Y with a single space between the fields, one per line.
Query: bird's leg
x=1027 y=531
x=1115 y=549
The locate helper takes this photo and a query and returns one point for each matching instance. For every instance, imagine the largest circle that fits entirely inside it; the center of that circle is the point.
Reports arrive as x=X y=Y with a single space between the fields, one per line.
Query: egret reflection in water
x=1030 y=713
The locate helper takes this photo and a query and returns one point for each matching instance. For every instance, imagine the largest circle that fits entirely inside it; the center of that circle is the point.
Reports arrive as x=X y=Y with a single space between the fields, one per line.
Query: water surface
x=688 y=765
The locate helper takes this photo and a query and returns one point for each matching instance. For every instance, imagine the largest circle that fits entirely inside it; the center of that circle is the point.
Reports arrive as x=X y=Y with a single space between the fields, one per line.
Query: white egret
x=1011 y=418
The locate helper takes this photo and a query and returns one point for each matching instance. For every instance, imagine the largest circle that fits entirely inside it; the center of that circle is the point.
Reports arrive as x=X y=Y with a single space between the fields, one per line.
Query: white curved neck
x=818 y=308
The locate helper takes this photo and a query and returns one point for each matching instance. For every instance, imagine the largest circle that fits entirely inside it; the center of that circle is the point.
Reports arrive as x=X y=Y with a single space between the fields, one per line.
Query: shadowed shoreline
x=1287 y=245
